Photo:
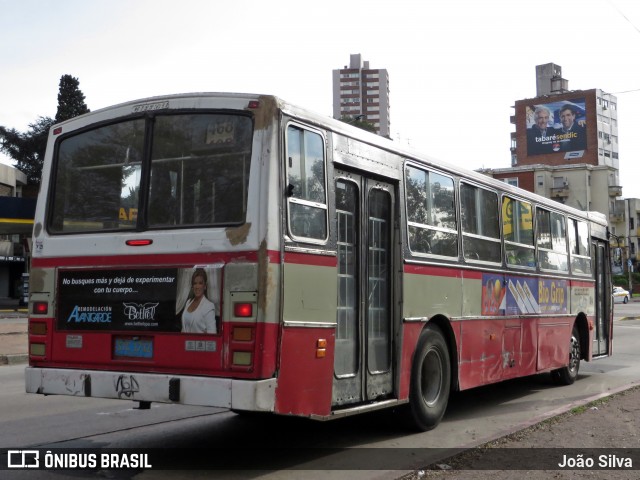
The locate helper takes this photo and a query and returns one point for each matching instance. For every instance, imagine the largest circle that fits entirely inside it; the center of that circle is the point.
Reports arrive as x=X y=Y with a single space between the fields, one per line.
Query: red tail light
x=40 y=308
x=242 y=310
x=139 y=243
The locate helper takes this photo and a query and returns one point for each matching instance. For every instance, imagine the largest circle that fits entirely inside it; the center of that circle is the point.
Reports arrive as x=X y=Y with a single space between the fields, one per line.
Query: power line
x=623 y=16
x=626 y=91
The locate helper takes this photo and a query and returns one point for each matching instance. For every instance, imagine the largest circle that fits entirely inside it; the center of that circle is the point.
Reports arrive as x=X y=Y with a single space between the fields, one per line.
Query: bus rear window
x=191 y=170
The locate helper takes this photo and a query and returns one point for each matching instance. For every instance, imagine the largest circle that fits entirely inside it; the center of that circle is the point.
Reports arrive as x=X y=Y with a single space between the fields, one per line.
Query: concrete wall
x=13 y=178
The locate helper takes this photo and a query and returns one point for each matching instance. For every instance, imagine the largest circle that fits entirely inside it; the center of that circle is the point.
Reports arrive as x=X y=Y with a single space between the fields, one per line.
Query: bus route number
x=220 y=133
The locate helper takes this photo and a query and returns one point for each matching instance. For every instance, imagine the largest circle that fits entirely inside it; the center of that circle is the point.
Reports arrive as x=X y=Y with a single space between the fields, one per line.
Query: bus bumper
x=251 y=395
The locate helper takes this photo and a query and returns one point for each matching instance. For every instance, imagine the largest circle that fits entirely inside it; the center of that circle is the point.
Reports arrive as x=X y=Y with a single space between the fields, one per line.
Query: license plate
x=134 y=347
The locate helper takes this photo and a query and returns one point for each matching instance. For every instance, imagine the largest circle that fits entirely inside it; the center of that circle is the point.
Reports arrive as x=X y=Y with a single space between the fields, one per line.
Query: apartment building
x=362 y=93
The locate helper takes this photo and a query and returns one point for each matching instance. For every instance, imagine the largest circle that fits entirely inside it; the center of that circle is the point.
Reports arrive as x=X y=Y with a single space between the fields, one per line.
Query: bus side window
x=306 y=190
x=431 y=216
x=552 y=241
x=579 y=247
x=480 y=224
x=517 y=228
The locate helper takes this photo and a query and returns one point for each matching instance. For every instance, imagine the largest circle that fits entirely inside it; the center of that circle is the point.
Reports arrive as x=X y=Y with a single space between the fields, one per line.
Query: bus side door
x=363 y=365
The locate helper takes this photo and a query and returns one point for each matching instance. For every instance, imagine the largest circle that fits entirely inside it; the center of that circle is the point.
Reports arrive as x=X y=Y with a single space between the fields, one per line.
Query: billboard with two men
x=556 y=127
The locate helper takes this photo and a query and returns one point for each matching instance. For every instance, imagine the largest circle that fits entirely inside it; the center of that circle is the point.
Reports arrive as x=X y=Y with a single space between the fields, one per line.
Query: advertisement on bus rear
x=556 y=127
x=158 y=300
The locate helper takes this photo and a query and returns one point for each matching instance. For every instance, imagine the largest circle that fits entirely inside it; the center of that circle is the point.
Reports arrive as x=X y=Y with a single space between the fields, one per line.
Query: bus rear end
x=154 y=269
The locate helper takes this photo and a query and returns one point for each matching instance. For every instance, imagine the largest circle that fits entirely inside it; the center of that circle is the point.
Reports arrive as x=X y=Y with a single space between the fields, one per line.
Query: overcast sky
x=456 y=67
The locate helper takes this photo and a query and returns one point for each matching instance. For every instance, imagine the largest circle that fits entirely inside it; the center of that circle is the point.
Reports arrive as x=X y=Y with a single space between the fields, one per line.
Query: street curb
x=547 y=415
x=14 y=359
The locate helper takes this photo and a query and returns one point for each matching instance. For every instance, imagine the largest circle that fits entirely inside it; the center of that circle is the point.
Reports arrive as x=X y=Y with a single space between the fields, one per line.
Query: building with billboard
x=565 y=147
x=362 y=93
x=561 y=127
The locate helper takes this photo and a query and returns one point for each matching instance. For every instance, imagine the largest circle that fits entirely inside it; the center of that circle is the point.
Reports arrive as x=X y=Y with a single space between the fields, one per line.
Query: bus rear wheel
x=430 y=379
x=568 y=375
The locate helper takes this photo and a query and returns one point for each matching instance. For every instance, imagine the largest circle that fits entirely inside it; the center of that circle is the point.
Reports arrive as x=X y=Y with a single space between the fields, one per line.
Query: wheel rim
x=574 y=355
x=431 y=378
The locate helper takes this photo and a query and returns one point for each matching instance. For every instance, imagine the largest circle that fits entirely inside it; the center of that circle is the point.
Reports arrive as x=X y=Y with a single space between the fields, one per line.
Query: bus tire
x=568 y=375
x=430 y=379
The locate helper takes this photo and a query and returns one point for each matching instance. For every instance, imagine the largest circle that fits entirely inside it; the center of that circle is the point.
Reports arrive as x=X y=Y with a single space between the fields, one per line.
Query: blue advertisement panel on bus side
x=517 y=295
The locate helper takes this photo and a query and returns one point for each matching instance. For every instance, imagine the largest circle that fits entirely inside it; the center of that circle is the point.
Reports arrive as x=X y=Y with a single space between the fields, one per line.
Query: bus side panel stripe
x=438 y=271
x=311 y=259
x=159 y=259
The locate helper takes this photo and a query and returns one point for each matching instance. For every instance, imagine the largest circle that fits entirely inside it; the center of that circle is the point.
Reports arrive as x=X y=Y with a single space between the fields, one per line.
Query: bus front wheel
x=430 y=379
x=568 y=375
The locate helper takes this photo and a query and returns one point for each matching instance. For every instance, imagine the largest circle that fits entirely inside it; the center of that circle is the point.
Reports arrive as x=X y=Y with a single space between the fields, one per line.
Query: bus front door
x=601 y=337
x=363 y=364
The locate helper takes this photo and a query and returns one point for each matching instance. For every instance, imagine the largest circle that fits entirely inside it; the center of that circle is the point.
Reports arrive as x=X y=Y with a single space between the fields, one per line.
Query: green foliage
x=27 y=149
x=363 y=124
x=623 y=280
x=70 y=99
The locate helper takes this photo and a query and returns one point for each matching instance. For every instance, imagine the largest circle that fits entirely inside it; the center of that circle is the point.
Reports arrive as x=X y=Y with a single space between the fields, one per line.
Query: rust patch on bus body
x=265 y=287
x=238 y=235
x=267 y=113
x=37 y=280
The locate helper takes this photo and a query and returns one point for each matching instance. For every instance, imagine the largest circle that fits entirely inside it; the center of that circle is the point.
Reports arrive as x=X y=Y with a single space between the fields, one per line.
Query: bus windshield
x=169 y=171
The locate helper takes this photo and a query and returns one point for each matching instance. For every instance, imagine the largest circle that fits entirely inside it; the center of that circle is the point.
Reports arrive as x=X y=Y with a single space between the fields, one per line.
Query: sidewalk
x=13 y=336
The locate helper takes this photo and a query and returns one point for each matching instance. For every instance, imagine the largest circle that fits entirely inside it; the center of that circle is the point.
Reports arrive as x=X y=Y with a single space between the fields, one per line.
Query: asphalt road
x=306 y=448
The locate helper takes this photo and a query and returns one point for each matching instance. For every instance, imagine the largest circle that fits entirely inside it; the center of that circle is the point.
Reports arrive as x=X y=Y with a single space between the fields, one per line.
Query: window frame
x=580 y=256
x=464 y=234
x=304 y=202
x=427 y=227
x=552 y=250
x=518 y=245
x=142 y=210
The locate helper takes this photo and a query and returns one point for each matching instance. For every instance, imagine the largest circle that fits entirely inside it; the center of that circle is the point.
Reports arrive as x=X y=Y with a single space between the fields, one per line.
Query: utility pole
x=629 y=264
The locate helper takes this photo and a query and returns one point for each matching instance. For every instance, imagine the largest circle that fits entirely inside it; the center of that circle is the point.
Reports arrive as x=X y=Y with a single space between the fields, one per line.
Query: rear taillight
x=243 y=310
x=242 y=345
x=37 y=349
x=40 y=308
x=39 y=332
x=242 y=334
x=37 y=328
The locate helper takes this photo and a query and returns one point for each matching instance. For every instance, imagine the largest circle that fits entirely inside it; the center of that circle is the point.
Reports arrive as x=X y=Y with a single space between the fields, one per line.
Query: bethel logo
x=136 y=311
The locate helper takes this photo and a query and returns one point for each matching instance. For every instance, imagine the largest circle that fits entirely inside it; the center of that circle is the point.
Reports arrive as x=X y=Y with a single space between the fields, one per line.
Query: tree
x=70 y=99
x=358 y=121
x=27 y=149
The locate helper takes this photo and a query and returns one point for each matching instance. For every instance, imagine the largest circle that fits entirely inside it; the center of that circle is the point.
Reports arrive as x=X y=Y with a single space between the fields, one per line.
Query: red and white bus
x=237 y=251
